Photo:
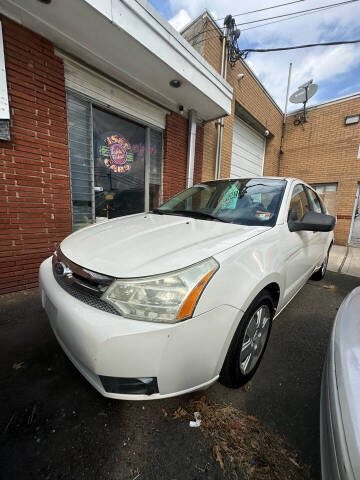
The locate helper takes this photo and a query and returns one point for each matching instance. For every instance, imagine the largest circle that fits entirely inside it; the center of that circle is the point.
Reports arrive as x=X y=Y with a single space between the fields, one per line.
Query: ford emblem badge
x=60 y=268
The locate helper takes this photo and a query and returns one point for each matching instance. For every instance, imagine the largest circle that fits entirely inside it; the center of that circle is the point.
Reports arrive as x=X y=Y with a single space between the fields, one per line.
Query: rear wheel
x=249 y=342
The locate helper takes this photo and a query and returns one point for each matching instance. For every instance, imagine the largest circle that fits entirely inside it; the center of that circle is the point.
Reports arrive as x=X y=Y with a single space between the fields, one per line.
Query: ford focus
x=165 y=302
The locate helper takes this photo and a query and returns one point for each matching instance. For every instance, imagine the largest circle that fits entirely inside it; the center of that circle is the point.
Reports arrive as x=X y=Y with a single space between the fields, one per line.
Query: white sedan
x=340 y=394
x=159 y=304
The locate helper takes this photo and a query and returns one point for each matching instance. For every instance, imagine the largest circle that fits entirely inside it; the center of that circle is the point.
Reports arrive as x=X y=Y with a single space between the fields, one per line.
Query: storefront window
x=119 y=166
x=79 y=126
x=109 y=157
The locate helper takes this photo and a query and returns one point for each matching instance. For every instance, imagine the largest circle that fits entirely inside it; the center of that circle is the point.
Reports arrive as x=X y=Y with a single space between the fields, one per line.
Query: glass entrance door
x=119 y=165
x=355 y=230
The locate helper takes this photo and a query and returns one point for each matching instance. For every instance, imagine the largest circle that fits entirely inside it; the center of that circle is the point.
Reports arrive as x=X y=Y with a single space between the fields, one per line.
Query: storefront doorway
x=119 y=166
x=355 y=227
x=115 y=163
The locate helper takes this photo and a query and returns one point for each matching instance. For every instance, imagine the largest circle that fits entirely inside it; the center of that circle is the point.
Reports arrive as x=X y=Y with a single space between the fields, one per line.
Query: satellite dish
x=304 y=92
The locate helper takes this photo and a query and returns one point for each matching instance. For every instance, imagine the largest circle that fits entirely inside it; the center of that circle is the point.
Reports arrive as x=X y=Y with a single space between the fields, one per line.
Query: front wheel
x=249 y=342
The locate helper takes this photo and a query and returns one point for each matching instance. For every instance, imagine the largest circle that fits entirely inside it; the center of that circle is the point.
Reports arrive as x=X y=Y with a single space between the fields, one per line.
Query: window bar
x=147 y=169
x=92 y=163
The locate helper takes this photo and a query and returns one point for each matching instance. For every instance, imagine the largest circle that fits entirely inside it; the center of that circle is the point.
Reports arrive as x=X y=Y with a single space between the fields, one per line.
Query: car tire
x=235 y=371
x=320 y=274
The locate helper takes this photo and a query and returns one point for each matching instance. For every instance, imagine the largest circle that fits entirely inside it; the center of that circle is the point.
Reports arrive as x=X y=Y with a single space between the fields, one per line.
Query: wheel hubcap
x=254 y=341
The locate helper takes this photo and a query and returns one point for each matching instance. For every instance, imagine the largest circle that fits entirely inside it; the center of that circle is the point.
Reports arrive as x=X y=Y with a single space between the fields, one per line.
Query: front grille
x=81 y=283
x=85 y=297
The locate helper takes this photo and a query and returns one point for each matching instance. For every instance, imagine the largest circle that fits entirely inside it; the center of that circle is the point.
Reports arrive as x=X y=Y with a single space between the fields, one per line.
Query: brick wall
x=324 y=150
x=249 y=94
x=34 y=168
x=175 y=155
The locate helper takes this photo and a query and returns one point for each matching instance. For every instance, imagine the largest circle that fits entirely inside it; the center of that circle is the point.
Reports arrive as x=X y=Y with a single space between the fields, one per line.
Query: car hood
x=148 y=244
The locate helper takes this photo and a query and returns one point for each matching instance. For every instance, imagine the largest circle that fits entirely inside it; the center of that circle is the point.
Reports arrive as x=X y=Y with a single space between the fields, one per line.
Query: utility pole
x=220 y=122
x=284 y=119
x=287 y=92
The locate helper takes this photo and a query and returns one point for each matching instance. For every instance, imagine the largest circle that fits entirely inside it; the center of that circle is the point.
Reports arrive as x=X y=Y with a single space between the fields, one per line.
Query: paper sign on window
x=230 y=197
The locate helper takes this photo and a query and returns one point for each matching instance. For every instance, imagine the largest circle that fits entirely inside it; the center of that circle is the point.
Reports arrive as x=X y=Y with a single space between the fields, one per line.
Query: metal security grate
x=85 y=297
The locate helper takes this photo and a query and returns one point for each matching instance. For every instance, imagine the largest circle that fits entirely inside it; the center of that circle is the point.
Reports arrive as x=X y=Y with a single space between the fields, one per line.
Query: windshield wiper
x=189 y=213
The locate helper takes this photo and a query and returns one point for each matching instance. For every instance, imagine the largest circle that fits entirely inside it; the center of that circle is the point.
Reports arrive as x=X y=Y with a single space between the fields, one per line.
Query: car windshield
x=245 y=201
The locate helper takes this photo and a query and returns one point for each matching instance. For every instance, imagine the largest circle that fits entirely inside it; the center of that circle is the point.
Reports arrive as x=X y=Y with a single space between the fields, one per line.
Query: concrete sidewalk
x=345 y=260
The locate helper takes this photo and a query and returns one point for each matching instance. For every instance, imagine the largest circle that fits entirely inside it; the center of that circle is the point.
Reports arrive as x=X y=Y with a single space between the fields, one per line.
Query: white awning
x=130 y=42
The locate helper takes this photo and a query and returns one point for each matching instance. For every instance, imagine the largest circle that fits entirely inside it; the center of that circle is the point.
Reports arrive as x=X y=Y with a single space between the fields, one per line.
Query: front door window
x=119 y=166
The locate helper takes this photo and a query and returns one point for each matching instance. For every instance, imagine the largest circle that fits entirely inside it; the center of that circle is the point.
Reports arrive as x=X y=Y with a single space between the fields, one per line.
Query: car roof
x=263 y=177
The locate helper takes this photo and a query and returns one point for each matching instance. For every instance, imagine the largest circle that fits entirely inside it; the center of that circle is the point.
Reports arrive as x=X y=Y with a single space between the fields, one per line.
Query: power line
x=203 y=39
x=262 y=9
x=291 y=15
x=280 y=49
x=270 y=23
x=299 y=11
x=204 y=31
x=286 y=19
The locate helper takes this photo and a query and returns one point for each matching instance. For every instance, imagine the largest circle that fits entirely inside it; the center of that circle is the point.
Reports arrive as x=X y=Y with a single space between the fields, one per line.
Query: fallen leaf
x=246 y=388
x=18 y=365
x=218 y=456
x=295 y=463
x=224 y=446
x=180 y=412
x=251 y=417
x=235 y=426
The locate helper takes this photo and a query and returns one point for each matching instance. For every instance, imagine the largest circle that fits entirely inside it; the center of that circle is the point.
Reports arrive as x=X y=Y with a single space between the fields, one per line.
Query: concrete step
x=345 y=259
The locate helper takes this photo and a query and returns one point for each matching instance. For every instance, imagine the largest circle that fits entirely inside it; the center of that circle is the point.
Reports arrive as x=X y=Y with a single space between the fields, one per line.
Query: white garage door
x=248 y=150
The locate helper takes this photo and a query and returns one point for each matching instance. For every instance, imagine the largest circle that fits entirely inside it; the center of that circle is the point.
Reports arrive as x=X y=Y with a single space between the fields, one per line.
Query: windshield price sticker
x=263 y=215
x=230 y=197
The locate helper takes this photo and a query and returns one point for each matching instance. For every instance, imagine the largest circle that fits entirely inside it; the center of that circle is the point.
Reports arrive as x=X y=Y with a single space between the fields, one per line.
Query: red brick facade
x=35 y=197
x=175 y=155
x=34 y=168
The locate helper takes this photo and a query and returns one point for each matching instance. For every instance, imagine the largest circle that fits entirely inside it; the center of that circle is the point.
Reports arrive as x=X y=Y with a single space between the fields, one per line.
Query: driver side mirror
x=311 y=221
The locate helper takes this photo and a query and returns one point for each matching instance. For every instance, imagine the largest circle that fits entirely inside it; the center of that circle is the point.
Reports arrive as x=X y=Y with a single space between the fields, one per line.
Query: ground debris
x=31 y=417
x=9 y=423
x=218 y=456
x=197 y=421
x=180 y=413
x=240 y=443
x=18 y=365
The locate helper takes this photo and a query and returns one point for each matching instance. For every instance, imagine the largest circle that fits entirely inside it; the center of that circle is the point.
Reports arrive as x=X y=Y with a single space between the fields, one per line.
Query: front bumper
x=182 y=357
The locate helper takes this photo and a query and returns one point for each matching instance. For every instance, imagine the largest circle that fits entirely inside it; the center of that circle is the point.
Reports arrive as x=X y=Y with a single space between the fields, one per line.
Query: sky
x=335 y=69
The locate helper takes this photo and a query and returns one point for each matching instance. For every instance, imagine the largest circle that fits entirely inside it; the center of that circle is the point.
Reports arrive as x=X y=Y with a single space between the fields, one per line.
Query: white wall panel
x=248 y=151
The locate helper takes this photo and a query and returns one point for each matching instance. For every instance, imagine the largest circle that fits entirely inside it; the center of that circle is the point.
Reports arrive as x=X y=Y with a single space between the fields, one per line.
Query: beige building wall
x=248 y=92
x=321 y=151
x=325 y=150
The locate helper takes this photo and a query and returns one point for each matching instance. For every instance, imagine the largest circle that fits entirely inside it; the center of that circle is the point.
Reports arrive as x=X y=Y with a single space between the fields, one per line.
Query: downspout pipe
x=191 y=149
x=220 y=123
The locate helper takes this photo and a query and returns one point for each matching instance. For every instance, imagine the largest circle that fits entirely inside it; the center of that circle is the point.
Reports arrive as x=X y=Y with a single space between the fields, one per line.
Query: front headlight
x=166 y=298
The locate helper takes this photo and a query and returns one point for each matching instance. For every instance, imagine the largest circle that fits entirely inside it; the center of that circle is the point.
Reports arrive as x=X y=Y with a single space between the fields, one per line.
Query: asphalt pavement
x=54 y=425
